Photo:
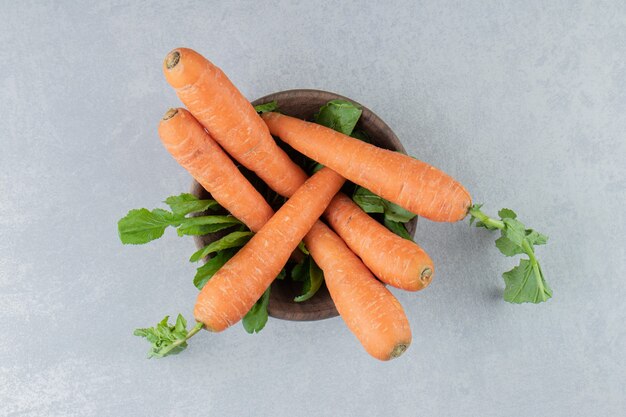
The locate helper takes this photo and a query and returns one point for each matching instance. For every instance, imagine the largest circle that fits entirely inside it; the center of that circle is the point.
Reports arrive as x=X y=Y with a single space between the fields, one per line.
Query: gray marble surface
x=524 y=102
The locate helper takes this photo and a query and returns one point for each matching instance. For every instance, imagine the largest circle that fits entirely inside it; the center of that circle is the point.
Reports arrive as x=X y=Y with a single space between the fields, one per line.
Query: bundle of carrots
x=357 y=254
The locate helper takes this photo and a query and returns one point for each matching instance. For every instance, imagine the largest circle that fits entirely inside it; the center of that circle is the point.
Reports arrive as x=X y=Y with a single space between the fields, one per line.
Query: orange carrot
x=233 y=123
x=234 y=289
x=230 y=119
x=412 y=184
x=396 y=261
x=192 y=147
x=370 y=311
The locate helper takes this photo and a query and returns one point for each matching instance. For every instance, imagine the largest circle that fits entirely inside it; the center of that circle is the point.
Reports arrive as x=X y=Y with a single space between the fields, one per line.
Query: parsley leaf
x=506 y=213
x=231 y=240
x=303 y=248
x=339 y=115
x=394 y=215
x=507 y=247
x=360 y=135
x=525 y=283
x=311 y=275
x=206 y=224
x=397 y=227
x=368 y=201
x=206 y=271
x=267 y=107
x=142 y=226
x=167 y=339
x=254 y=321
x=184 y=204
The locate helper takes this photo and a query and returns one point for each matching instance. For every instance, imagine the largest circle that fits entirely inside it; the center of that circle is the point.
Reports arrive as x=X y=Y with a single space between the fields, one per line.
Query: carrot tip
x=170 y=113
x=426 y=275
x=398 y=350
x=172 y=59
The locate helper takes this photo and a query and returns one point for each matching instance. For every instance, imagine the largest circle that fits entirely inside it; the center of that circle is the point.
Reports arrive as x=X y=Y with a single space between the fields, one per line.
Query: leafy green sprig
x=271 y=106
x=394 y=216
x=525 y=283
x=141 y=226
x=312 y=277
x=167 y=339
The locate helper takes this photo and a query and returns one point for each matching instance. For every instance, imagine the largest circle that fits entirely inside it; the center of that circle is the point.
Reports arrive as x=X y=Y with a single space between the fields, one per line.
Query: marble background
x=524 y=102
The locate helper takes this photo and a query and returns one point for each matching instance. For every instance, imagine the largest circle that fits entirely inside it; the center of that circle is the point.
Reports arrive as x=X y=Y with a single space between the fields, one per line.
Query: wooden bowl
x=304 y=104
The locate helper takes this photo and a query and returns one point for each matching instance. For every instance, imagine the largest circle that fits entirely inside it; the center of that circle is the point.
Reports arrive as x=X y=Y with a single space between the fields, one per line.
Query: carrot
x=396 y=261
x=233 y=123
x=228 y=116
x=192 y=147
x=370 y=311
x=234 y=289
x=412 y=184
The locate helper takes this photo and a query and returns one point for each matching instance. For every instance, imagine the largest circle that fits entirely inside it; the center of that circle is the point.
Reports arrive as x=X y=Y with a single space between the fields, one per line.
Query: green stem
x=177 y=343
x=498 y=224
x=528 y=249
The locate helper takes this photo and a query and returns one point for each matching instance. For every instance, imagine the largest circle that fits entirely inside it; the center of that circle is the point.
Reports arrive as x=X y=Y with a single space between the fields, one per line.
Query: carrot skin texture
x=192 y=147
x=230 y=118
x=369 y=310
x=414 y=185
x=234 y=289
x=398 y=262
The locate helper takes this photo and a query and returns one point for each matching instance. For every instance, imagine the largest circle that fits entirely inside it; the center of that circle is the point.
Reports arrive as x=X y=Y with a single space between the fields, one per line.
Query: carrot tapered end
x=172 y=59
x=398 y=350
x=170 y=113
x=183 y=67
x=426 y=276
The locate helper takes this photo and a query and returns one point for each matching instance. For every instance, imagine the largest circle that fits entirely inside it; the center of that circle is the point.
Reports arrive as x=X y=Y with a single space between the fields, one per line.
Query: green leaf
x=368 y=201
x=397 y=228
x=282 y=274
x=536 y=238
x=231 y=240
x=507 y=247
x=316 y=168
x=206 y=224
x=313 y=282
x=300 y=270
x=167 y=339
x=303 y=248
x=181 y=323
x=514 y=230
x=148 y=333
x=526 y=284
x=360 y=135
x=372 y=203
x=506 y=213
x=396 y=213
x=184 y=204
x=206 y=271
x=142 y=226
x=254 y=321
x=267 y=107
x=339 y=115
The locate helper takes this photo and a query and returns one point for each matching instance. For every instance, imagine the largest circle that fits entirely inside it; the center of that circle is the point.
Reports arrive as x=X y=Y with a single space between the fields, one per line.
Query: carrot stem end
x=172 y=59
